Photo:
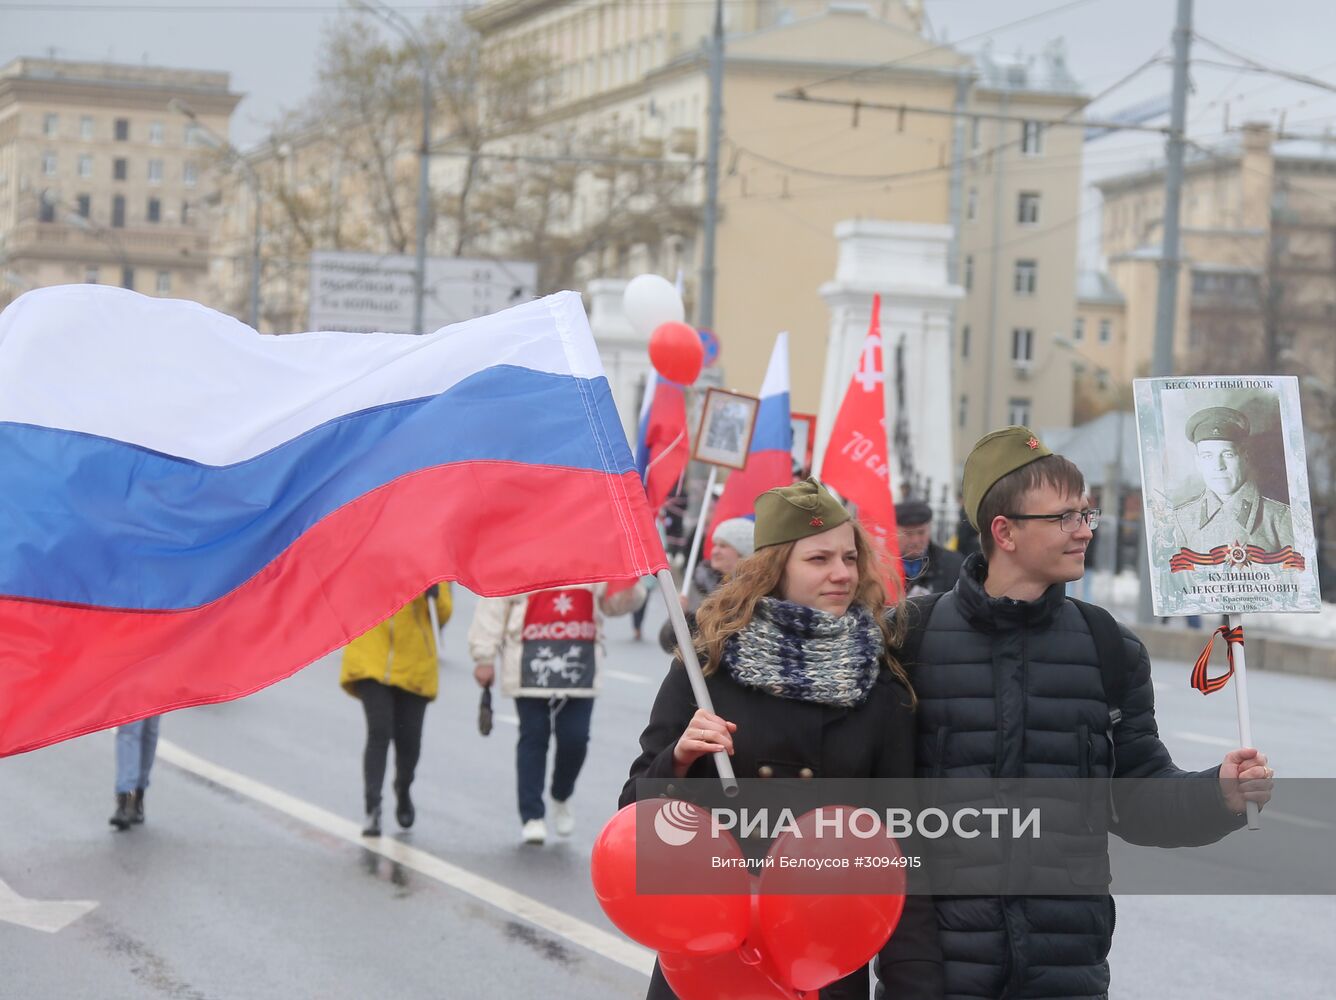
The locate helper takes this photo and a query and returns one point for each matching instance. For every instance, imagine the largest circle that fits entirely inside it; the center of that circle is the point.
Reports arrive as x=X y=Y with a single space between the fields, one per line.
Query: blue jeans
x=136 y=744
x=539 y=718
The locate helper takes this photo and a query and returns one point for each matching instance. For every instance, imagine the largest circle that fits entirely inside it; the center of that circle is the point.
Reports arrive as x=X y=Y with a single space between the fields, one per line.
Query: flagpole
x=700 y=528
x=1241 y=698
x=686 y=649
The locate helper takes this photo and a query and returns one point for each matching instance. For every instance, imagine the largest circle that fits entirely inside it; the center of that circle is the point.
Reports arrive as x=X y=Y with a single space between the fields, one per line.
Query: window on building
x=1027 y=208
x=91 y=274
x=1018 y=412
x=50 y=124
x=155 y=171
x=118 y=211
x=1027 y=276
x=155 y=133
x=1022 y=348
x=1032 y=138
x=49 y=164
x=962 y=411
x=154 y=212
x=185 y=213
x=164 y=283
x=972 y=205
x=1105 y=331
x=127 y=277
x=46 y=211
x=189 y=175
x=86 y=127
x=85 y=205
x=122 y=129
x=976 y=133
x=969 y=272
x=120 y=168
x=965 y=341
x=85 y=166
x=1078 y=328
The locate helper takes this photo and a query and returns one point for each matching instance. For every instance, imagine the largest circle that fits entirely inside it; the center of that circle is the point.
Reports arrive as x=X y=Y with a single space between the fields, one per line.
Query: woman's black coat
x=782 y=738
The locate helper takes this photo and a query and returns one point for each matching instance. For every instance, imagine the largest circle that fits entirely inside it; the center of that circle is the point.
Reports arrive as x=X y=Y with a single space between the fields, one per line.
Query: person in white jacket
x=550 y=644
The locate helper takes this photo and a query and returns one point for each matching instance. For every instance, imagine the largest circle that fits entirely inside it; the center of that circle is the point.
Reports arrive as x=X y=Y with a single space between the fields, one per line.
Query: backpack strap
x=917 y=611
x=1115 y=667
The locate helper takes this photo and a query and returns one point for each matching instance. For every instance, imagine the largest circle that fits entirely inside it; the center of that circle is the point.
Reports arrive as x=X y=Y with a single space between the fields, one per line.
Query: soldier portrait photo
x=1236 y=486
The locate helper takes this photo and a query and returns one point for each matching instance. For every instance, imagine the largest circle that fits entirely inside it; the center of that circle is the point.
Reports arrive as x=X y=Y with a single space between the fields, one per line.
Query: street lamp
x=404 y=27
x=215 y=141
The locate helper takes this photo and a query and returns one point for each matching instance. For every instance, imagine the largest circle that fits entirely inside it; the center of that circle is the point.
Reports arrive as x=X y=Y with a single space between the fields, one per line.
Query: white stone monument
x=904 y=262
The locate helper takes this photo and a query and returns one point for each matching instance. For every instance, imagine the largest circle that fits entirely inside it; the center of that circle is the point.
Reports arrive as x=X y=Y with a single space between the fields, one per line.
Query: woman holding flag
x=796 y=651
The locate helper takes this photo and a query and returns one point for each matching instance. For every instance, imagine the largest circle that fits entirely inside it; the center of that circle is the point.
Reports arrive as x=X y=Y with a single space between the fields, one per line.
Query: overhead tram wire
x=850 y=74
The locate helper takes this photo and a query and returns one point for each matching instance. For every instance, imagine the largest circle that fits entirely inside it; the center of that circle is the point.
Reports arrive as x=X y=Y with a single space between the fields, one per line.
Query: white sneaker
x=535 y=831
x=562 y=818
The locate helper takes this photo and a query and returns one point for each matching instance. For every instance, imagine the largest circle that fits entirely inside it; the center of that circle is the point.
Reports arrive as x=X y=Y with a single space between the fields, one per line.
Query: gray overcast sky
x=270 y=50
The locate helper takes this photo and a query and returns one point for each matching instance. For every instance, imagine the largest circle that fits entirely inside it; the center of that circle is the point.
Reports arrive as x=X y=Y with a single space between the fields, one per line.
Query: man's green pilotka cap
x=1217 y=423
x=789 y=513
x=996 y=455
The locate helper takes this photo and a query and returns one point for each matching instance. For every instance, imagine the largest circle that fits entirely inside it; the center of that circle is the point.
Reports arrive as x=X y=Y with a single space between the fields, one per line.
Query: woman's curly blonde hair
x=730 y=608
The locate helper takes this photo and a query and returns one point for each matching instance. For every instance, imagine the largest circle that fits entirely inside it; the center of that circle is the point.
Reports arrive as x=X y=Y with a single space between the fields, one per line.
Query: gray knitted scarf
x=797 y=652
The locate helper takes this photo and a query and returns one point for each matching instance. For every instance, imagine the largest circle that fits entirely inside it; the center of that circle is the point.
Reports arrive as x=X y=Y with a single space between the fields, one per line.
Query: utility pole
x=705 y=308
x=1166 y=303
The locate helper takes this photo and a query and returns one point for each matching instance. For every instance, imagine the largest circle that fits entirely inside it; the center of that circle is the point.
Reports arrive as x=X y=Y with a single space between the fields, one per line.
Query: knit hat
x=789 y=513
x=996 y=455
x=737 y=533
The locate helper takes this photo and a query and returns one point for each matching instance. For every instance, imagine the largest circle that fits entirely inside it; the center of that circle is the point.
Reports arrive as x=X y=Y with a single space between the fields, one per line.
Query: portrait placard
x=1225 y=487
x=727 y=421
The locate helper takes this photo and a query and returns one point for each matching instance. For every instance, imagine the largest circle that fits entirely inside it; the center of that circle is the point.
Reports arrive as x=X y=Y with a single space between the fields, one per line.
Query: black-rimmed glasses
x=1069 y=520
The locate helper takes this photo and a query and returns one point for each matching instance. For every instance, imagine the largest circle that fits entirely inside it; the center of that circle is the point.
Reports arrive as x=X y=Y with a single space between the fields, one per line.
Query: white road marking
x=50 y=915
x=1213 y=741
x=622 y=675
x=513 y=720
x=595 y=939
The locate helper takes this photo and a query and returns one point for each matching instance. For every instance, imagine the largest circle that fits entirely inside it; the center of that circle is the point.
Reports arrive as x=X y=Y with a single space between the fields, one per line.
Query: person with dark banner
x=550 y=645
x=797 y=652
x=929 y=568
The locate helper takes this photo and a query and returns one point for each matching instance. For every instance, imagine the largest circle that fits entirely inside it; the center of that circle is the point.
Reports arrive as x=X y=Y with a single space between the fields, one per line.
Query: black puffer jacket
x=1013 y=689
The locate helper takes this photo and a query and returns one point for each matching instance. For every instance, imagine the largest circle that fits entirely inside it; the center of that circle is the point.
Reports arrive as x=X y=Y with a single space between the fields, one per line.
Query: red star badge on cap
x=1032 y=444
x=816 y=522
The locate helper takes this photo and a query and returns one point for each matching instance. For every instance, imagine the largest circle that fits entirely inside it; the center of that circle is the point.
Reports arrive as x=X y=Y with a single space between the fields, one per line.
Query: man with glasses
x=1015 y=680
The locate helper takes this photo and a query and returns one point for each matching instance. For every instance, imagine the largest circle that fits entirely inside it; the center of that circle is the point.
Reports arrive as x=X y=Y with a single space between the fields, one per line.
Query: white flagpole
x=688 y=652
x=1241 y=697
x=700 y=529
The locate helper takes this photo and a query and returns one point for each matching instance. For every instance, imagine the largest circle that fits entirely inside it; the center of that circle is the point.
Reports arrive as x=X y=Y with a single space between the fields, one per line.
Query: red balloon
x=676 y=352
x=675 y=846
x=740 y=974
x=818 y=924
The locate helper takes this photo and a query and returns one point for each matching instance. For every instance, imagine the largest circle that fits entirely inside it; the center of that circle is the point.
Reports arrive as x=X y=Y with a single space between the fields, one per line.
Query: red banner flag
x=855 y=464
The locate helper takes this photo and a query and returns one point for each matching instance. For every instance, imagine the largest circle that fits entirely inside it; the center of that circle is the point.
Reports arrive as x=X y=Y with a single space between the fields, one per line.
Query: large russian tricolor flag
x=191 y=511
x=661 y=440
x=770 y=459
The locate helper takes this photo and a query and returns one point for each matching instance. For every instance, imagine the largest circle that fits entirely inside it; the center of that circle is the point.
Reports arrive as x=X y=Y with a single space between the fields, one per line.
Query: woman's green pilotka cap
x=996 y=455
x=789 y=513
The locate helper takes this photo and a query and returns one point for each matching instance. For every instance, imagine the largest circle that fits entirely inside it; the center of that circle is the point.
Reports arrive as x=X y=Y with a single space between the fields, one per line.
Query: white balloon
x=650 y=301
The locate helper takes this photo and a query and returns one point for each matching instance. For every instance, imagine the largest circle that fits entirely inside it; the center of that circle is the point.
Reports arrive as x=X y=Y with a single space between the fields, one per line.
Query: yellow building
x=1099 y=347
x=100 y=181
x=791 y=170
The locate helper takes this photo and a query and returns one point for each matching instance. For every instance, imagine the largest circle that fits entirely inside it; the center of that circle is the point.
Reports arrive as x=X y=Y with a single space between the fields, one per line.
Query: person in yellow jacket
x=392 y=670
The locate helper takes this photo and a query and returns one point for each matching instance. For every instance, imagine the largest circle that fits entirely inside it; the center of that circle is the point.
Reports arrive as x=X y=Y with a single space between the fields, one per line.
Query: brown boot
x=124 y=814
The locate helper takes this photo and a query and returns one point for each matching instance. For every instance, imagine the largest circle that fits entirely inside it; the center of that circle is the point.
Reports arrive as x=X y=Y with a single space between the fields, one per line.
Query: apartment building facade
x=1018 y=247
x=100 y=180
